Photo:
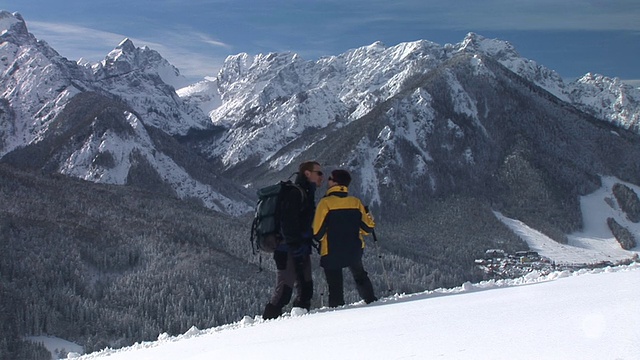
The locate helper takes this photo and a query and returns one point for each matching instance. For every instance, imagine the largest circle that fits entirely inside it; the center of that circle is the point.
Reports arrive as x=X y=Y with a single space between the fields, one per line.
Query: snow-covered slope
x=608 y=99
x=595 y=242
x=203 y=94
x=582 y=315
x=110 y=157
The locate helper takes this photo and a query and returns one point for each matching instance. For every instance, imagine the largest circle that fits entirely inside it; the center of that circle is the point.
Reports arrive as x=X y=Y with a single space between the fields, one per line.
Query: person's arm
x=319 y=225
x=366 y=221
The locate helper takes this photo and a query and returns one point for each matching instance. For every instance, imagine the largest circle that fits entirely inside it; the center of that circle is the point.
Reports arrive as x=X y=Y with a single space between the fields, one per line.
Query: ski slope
x=595 y=243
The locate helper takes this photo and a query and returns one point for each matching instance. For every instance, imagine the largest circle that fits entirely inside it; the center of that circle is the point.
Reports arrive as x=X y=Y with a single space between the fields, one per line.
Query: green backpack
x=265 y=230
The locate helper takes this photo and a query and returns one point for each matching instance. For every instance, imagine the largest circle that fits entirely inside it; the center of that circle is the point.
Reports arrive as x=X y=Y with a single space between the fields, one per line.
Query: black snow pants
x=335 y=282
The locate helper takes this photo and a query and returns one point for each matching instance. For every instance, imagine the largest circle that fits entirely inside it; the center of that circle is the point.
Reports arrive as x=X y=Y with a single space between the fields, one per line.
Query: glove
x=300 y=250
x=316 y=245
x=370 y=216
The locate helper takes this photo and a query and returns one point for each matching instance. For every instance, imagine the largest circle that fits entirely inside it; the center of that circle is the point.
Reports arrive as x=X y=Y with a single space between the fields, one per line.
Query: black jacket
x=296 y=215
x=340 y=221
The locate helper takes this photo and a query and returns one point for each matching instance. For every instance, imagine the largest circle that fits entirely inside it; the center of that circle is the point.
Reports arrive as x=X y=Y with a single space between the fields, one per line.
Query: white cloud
x=209 y=40
x=75 y=42
x=505 y=14
x=183 y=49
x=197 y=44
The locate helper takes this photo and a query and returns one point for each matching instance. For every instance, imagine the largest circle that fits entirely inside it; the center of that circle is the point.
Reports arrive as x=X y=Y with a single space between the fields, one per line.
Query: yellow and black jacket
x=339 y=222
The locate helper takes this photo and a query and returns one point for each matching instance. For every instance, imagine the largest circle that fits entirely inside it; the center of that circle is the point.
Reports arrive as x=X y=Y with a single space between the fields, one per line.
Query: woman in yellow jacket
x=338 y=225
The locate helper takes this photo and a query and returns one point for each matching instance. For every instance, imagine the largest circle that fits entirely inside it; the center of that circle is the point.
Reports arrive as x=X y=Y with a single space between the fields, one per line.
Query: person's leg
x=304 y=284
x=363 y=283
x=334 y=283
x=285 y=278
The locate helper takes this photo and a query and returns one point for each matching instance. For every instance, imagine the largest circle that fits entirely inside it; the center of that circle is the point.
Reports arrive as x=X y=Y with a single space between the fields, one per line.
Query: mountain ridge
x=408 y=120
x=439 y=139
x=291 y=94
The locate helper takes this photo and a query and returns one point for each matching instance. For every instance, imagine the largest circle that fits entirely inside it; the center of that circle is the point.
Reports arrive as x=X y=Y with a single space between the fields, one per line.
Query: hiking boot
x=302 y=304
x=271 y=312
x=369 y=301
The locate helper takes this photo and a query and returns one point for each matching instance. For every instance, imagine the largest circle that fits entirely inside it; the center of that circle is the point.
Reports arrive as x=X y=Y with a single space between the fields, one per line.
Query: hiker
x=293 y=255
x=339 y=223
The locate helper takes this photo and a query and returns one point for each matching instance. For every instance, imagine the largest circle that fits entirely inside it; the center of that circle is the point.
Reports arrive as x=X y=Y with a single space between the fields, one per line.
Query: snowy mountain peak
x=125 y=51
x=273 y=61
x=12 y=26
x=498 y=49
x=135 y=58
x=9 y=21
x=35 y=81
x=503 y=52
x=127 y=45
x=126 y=58
x=242 y=68
x=607 y=98
x=601 y=81
x=43 y=93
x=233 y=67
x=378 y=45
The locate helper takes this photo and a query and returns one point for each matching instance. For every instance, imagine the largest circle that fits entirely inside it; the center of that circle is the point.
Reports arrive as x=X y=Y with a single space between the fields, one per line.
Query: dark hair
x=342 y=177
x=307 y=166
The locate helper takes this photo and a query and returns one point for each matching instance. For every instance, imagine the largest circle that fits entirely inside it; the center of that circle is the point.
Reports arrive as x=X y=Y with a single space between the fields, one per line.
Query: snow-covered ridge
x=37 y=84
x=398 y=314
x=265 y=103
x=122 y=148
x=607 y=98
x=506 y=54
x=264 y=95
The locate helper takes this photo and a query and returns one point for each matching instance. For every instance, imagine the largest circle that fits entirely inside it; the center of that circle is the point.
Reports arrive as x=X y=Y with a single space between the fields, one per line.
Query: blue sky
x=572 y=37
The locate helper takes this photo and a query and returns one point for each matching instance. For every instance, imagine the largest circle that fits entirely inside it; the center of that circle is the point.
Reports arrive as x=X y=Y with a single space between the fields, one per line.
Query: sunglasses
x=320 y=173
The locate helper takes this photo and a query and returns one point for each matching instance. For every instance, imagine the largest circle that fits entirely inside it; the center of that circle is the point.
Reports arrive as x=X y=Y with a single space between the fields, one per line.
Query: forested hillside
x=110 y=265
x=437 y=138
x=106 y=265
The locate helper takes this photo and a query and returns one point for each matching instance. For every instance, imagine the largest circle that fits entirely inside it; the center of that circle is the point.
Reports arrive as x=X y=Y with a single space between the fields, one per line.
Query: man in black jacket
x=293 y=255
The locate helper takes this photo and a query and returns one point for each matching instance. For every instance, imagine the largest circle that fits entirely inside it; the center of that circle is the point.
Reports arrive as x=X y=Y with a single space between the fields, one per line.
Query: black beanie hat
x=342 y=177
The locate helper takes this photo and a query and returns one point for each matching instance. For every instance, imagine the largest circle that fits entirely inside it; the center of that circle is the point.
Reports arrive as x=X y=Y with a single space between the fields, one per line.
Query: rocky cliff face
x=414 y=122
x=420 y=121
x=109 y=123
